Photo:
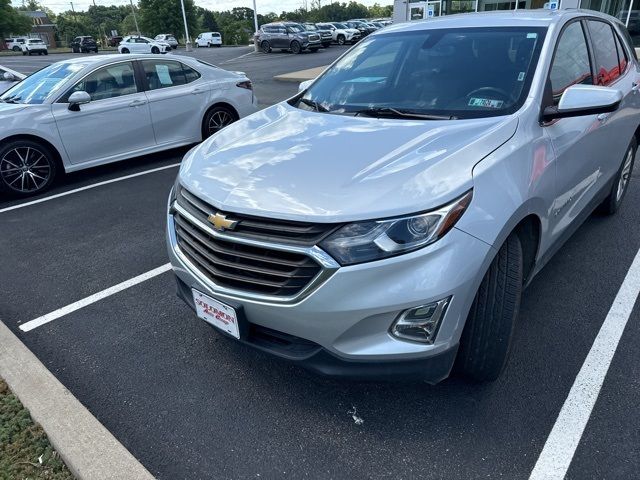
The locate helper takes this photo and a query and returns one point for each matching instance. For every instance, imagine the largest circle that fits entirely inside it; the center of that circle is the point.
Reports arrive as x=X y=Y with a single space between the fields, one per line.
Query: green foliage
x=165 y=16
x=12 y=21
x=25 y=451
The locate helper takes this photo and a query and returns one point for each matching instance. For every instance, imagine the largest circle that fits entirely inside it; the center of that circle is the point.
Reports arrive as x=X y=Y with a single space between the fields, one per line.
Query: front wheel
x=341 y=40
x=26 y=167
x=155 y=50
x=46 y=53
x=296 y=47
x=216 y=119
x=486 y=338
x=612 y=203
x=197 y=45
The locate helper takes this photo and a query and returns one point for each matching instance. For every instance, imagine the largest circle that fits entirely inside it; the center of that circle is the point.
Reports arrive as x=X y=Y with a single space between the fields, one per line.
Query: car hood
x=293 y=164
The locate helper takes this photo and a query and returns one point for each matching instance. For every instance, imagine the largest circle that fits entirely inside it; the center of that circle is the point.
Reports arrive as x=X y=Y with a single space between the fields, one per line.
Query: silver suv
x=287 y=36
x=384 y=221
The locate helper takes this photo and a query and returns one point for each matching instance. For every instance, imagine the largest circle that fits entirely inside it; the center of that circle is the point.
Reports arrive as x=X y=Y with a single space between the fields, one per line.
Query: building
x=628 y=11
x=42 y=28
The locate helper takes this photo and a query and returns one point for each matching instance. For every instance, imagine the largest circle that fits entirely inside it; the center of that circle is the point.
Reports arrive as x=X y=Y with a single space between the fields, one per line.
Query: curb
x=89 y=450
x=301 y=75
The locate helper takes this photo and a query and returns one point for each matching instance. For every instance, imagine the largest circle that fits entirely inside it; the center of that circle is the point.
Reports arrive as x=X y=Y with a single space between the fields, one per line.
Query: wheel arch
x=211 y=107
x=57 y=157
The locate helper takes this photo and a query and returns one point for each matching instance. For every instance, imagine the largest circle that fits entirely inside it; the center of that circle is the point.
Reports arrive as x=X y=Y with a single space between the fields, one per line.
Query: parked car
x=326 y=36
x=8 y=78
x=139 y=44
x=362 y=27
x=209 y=39
x=340 y=33
x=114 y=41
x=483 y=142
x=287 y=36
x=14 y=43
x=89 y=111
x=84 y=44
x=34 y=45
x=167 y=38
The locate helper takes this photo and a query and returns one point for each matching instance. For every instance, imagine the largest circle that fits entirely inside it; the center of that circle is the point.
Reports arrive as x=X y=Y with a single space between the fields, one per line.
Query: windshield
x=41 y=85
x=340 y=25
x=311 y=27
x=295 y=27
x=461 y=73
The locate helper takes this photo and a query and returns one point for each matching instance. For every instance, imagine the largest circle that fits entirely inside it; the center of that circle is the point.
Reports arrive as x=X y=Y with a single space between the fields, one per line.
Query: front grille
x=244 y=267
x=259 y=228
x=314 y=37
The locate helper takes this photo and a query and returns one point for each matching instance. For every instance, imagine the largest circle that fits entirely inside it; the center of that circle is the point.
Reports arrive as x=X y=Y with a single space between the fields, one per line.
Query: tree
x=165 y=16
x=208 y=21
x=12 y=21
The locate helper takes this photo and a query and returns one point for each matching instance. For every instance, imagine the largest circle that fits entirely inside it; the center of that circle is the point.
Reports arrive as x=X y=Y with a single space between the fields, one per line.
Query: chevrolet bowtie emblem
x=221 y=222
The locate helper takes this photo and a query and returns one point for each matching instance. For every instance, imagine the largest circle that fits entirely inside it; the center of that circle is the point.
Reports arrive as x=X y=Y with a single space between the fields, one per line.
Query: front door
x=115 y=123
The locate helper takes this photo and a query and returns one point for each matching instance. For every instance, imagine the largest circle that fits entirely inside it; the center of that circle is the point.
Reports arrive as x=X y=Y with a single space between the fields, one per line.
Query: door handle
x=137 y=103
x=196 y=91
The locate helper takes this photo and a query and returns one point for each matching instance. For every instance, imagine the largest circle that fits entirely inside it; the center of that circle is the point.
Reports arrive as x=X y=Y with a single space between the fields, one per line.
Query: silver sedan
x=89 y=111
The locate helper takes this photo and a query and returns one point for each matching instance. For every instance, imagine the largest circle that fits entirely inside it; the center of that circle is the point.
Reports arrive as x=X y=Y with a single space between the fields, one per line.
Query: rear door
x=177 y=100
x=116 y=122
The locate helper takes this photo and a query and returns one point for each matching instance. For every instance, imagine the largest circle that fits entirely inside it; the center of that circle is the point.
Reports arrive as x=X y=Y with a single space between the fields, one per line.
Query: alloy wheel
x=623 y=181
x=218 y=120
x=25 y=169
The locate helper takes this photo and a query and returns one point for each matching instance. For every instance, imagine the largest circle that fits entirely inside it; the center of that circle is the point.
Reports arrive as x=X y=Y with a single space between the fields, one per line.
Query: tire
x=216 y=119
x=197 y=45
x=155 y=50
x=208 y=45
x=341 y=40
x=96 y=50
x=486 y=338
x=24 y=54
x=218 y=45
x=265 y=46
x=16 y=48
x=39 y=159
x=46 y=53
x=326 y=45
x=620 y=186
x=125 y=50
x=295 y=47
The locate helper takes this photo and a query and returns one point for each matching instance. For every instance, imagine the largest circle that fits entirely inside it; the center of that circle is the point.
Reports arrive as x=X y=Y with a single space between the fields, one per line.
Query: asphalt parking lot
x=189 y=403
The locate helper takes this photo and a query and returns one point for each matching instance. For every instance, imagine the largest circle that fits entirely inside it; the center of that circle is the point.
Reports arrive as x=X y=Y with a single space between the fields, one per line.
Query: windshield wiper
x=314 y=104
x=394 y=112
x=12 y=99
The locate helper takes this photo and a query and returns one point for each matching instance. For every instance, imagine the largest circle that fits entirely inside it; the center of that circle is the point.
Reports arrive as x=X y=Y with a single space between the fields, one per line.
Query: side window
x=571 y=63
x=108 y=82
x=163 y=74
x=622 y=54
x=190 y=74
x=604 y=47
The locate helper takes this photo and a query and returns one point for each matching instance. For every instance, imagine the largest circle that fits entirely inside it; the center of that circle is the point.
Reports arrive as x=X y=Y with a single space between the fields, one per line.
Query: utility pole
x=135 y=19
x=187 y=40
x=255 y=16
x=73 y=10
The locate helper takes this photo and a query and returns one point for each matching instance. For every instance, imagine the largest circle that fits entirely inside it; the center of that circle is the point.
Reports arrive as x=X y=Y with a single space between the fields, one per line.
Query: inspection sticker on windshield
x=485 y=103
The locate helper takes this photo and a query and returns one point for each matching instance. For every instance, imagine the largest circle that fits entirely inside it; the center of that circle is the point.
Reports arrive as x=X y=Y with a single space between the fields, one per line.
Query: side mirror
x=304 y=85
x=9 y=77
x=579 y=100
x=78 y=98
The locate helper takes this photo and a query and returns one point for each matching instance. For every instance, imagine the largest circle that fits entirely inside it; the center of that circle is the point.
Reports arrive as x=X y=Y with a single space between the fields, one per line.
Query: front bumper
x=342 y=326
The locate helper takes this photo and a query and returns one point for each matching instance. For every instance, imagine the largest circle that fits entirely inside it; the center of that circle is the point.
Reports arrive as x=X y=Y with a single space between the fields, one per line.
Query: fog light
x=420 y=324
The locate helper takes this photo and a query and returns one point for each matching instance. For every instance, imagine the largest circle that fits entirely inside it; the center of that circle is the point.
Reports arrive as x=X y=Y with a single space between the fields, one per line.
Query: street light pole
x=135 y=19
x=255 y=24
x=187 y=44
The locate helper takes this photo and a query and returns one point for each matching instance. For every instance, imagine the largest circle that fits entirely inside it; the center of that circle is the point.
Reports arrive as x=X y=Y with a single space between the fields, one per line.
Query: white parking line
x=564 y=438
x=61 y=312
x=88 y=187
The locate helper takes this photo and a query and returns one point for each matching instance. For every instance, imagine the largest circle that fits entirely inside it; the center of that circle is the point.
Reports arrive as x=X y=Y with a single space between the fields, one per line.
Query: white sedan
x=139 y=44
x=89 y=111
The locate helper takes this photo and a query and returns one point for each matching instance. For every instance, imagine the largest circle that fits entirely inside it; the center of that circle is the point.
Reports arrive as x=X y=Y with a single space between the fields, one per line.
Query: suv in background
x=362 y=27
x=14 y=43
x=168 y=38
x=325 y=34
x=209 y=39
x=34 y=45
x=340 y=33
x=287 y=36
x=84 y=44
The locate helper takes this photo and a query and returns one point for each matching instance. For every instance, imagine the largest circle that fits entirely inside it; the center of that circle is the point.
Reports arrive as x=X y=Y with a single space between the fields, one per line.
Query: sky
x=263 y=6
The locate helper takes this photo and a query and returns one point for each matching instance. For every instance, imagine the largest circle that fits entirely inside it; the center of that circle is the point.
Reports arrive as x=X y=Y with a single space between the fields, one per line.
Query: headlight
x=373 y=240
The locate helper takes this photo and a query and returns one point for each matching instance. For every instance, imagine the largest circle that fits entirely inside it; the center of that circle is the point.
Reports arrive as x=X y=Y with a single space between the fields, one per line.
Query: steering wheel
x=483 y=90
